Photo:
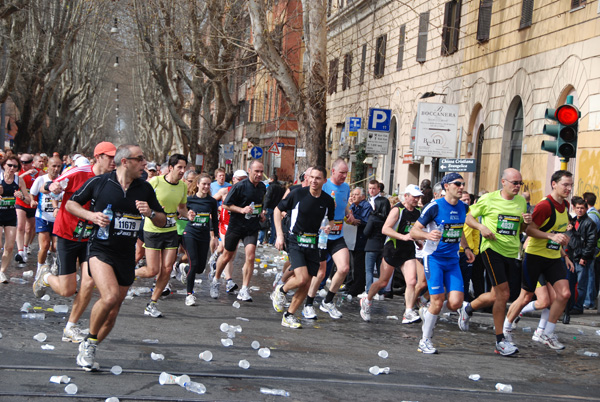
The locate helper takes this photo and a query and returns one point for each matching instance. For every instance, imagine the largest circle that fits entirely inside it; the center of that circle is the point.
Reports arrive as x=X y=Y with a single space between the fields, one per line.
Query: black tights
x=197 y=252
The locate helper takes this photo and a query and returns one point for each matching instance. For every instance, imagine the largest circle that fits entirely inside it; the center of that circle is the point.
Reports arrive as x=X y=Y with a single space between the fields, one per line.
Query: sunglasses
x=139 y=158
x=27 y=161
x=11 y=165
x=516 y=183
x=458 y=183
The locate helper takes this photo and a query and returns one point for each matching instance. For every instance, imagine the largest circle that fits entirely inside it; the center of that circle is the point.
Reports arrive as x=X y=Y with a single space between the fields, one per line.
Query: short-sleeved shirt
x=541 y=215
x=452 y=217
x=44 y=210
x=66 y=225
x=241 y=195
x=127 y=221
x=504 y=218
x=206 y=219
x=307 y=211
x=340 y=194
x=28 y=180
x=215 y=187
x=170 y=196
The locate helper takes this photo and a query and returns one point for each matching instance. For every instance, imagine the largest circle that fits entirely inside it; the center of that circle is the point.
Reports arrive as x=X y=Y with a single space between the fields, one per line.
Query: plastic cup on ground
x=374 y=370
x=474 y=377
x=71 y=389
x=224 y=327
x=112 y=399
x=116 y=370
x=58 y=379
x=157 y=356
x=255 y=345
x=383 y=354
x=41 y=337
x=244 y=364
x=206 y=355
x=46 y=297
x=236 y=304
x=47 y=347
x=507 y=388
x=264 y=352
x=182 y=379
x=226 y=342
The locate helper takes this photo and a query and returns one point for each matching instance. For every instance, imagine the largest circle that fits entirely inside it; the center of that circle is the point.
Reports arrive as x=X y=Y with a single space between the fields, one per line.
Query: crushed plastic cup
x=46 y=297
x=244 y=364
x=255 y=345
x=150 y=341
x=61 y=309
x=206 y=355
x=580 y=331
x=41 y=337
x=235 y=328
x=383 y=354
x=19 y=281
x=598 y=332
x=255 y=271
x=26 y=307
x=474 y=377
x=71 y=389
x=254 y=288
x=376 y=370
x=157 y=356
x=60 y=379
x=506 y=388
x=264 y=352
x=226 y=342
x=231 y=334
x=116 y=370
x=242 y=319
x=269 y=391
x=392 y=317
x=168 y=379
x=48 y=347
x=224 y=327
x=526 y=329
x=112 y=399
x=236 y=304
x=28 y=274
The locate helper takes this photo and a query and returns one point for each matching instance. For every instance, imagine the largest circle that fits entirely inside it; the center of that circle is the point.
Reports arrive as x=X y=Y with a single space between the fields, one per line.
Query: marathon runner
x=25 y=213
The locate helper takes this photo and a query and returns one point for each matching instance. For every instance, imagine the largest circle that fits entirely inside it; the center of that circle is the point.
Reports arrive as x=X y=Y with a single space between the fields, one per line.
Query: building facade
x=501 y=62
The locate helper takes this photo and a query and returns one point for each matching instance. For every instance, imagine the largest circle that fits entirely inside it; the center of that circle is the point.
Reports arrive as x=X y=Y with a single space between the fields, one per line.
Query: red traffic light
x=567 y=115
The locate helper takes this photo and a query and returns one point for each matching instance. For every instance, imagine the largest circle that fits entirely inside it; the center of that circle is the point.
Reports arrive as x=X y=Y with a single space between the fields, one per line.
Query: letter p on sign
x=379 y=119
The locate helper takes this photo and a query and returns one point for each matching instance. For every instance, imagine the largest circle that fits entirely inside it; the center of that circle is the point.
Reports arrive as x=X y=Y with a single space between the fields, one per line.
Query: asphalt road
x=326 y=360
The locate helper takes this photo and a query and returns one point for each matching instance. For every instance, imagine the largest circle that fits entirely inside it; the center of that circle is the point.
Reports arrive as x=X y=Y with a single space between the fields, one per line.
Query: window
x=379 y=65
x=516 y=139
x=333 y=76
x=347 y=71
x=577 y=4
x=402 y=38
x=451 y=29
x=485 y=20
x=422 y=41
x=363 y=65
x=526 y=14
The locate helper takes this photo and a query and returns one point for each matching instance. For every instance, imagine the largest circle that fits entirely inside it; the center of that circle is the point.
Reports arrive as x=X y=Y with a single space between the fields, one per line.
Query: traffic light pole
x=563 y=163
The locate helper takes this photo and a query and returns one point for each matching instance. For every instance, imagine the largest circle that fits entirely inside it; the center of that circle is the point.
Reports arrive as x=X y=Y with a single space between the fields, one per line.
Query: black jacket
x=274 y=194
x=583 y=240
x=375 y=238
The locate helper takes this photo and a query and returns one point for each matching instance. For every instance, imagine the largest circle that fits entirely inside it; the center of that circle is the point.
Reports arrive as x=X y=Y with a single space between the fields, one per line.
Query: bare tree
x=13 y=16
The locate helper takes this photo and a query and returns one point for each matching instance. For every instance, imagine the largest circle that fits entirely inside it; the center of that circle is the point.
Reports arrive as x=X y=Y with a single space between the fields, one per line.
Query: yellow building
x=501 y=62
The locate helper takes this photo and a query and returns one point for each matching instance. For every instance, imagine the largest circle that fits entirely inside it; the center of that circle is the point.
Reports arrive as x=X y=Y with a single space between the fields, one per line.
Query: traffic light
x=565 y=132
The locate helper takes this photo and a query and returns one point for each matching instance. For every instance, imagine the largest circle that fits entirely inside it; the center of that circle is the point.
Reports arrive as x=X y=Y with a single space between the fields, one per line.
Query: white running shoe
x=331 y=309
x=214 y=289
x=87 y=356
x=230 y=286
x=410 y=316
x=3 y=278
x=39 y=286
x=73 y=334
x=291 y=321
x=244 y=295
x=463 y=317
x=426 y=347
x=505 y=348
x=508 y=335
x=365 y=309
x=552 y=342
x=152 y=311
x=279 y=299
x=309 y=312
x=190 y=300
x=537 y=335
x=183 y=272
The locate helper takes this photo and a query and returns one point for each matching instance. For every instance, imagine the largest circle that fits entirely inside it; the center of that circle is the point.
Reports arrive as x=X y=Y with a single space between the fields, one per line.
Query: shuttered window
x=451 y=28
x=401 y=47
x=347 y=71
x=379 y=64
x=333 y=76
x=526 y=14
x=422 y=41
x=485 y=20
x=577 y=3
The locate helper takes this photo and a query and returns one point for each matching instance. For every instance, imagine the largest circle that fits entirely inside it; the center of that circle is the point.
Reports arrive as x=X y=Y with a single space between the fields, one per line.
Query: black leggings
x=197 y=252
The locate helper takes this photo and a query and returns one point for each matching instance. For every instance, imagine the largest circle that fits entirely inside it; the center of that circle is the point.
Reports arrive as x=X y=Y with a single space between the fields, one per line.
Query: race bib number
x=201 y=220
x=257 y=209
x=452 y=233
x=552 y=245
x=408 y=227
x=508 y=225
x=171 y=220
x=307 y=240
x=83 y=230
x=336 y=229
x=7 y=203
x=127 y=225
x=47 y=205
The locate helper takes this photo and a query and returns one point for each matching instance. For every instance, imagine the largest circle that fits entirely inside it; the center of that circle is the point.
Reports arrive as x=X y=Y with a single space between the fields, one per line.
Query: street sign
x=353 y=124
x=274 y=149
x=457 y=165
x=228 y=151
x=256 y=152
x=437 y=125
x=379 y=119
x=407 y=159
x=377 y=142
x=280 y=145
x=301 y=152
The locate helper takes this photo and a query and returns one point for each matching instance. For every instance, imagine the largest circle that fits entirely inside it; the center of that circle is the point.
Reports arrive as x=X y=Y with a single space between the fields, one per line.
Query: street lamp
x=115 y=28
x=116 y=62
x=431 y=95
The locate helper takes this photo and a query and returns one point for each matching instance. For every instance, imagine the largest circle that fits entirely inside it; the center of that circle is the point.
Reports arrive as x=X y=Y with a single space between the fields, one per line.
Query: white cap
x=240 y=173
x=413 y=190
x=82 y=161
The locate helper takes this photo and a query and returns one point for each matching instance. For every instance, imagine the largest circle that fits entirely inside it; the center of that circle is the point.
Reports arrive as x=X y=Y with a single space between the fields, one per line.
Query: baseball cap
x=105 y=148
x=82 y=161
x=240 y=173
x=413 y=190
x=151 y=166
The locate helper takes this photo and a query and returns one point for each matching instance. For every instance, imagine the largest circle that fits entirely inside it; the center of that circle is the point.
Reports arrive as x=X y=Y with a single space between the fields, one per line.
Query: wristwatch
x=152 y=214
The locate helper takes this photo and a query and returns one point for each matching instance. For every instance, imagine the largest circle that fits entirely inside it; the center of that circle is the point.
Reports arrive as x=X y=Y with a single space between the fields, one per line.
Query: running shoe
x=20 y=257
x=87 y=355
x=190 y=300
x=39 y=286
x=362 y=295
x=537 y=335
x=27 y=250
x=410 y=316
x=279 y=299
x=309 y=312
x=3 y=278
x=331 y=309
x=277 y=278
x=426 y=347
x=230 y=286
x=244 y=295
x=183 y=269
x=73 y=334
x=214 y=288
x=552 y=342
x=152 y=311
x=508 y=335
x=175 y=271
x=212 y=265
x=291 y=321
x=504 y=348
x=167 y=290
x=365 y=309
x=463 y=317
x=54 y=267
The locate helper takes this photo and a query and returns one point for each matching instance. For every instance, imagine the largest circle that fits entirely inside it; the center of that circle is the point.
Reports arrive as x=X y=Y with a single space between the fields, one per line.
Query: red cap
x=105 y=148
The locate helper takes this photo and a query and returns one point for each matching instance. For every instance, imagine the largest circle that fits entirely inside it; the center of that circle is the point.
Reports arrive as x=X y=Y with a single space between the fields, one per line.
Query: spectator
x=375 y=239
x=592 y=290
x=361 y=210
x=373 y=192
x=274 y=195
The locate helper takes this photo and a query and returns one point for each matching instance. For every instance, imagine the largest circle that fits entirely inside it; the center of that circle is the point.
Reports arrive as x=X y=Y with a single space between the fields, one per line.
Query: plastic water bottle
x=322 y=235
x=269 y=391
x=430 y=245
x=104 y=231
x=34 y=316
x=248 y=216
x=195 y=387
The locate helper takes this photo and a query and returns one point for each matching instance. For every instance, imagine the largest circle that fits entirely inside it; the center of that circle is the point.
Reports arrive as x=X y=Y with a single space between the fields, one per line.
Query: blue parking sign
x=379 y=119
